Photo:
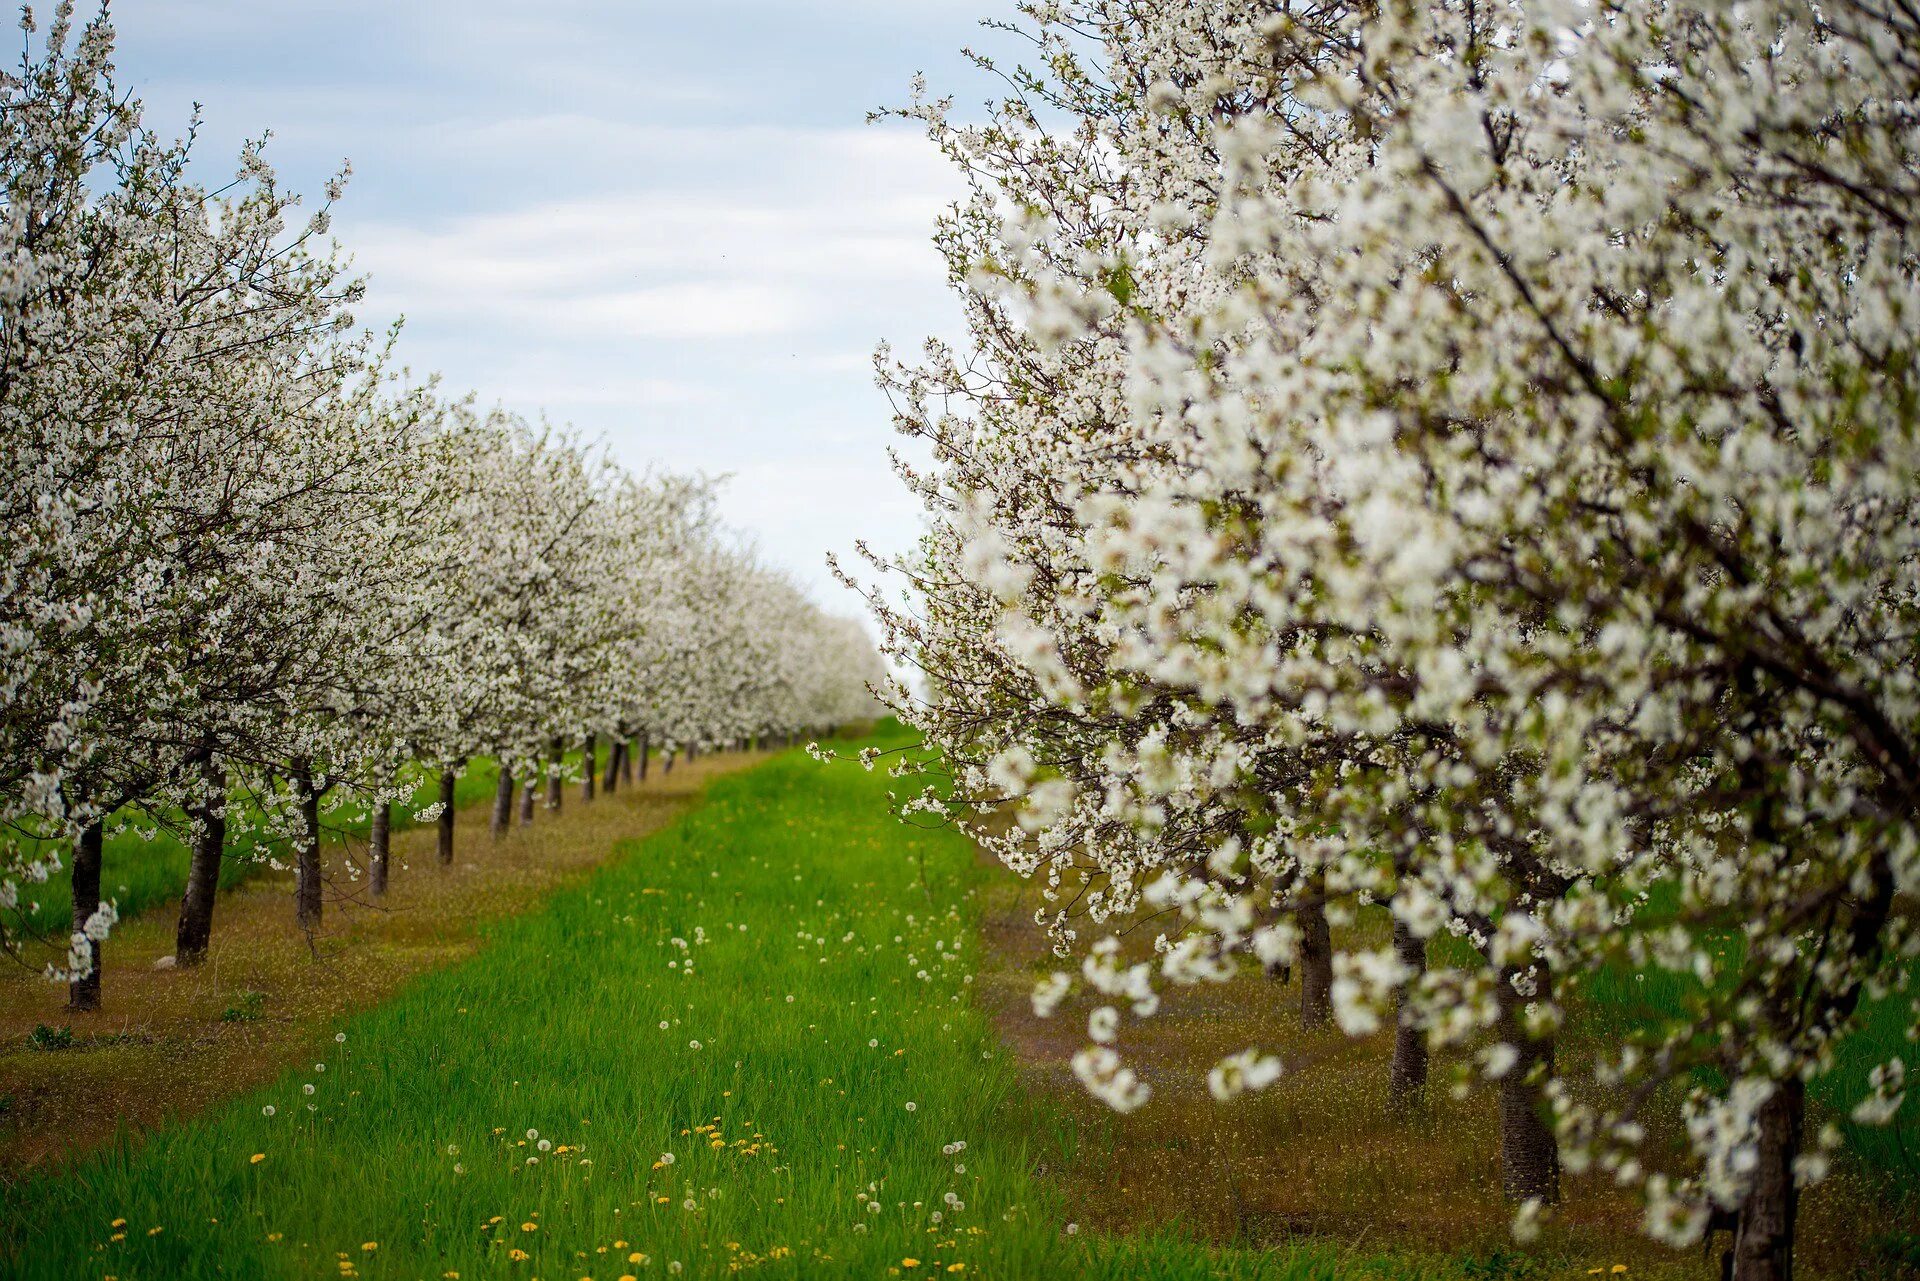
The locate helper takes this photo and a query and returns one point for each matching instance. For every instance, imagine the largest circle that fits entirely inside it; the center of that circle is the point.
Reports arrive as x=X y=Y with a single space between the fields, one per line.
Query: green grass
x=837 y=1053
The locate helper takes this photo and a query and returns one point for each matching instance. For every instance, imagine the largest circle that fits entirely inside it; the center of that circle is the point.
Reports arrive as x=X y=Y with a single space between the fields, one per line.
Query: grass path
x=746 y=1045
x=805 y=1041
x=753 y=1042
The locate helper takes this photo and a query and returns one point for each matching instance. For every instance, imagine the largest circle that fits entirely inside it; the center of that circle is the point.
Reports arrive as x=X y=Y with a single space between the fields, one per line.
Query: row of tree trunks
x=1529 y=1152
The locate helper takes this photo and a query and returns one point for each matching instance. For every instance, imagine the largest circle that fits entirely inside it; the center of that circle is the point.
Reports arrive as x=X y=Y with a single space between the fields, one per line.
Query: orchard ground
x=755 y=1039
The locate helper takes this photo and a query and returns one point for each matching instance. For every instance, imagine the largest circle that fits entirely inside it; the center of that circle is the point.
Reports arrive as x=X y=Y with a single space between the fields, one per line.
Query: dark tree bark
x=644 y=745
x=589 y=750
x=626 y=763
x=666 y=762
x=612 y=777
x=1316 y=957
x=528 y=790
x=1407 y=1078
x=692 y=751
x=88 y=853
x=379 y=846
x=1763 y=1236
x=1529 y=1153
x=194 y=933
x=448 y=780
x=306 y=881
x=502 y=802
x=556 y=786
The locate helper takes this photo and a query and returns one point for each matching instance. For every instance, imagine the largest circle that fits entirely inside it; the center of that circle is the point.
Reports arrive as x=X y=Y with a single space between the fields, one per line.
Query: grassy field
x=753 y=1042
x=782 y=1089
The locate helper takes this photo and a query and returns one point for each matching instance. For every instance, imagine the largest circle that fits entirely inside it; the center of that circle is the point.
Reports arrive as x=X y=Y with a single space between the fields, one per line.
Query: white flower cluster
x=1454 y=468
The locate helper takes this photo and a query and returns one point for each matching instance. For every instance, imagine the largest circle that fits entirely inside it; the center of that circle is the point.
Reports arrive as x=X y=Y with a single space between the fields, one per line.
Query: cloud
x=846 y=235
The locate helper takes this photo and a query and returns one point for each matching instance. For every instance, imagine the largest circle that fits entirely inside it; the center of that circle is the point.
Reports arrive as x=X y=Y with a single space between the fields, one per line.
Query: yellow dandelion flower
x=369 y=1246
x=154 y=1232
x=257 y=1158
x=118 y=1236
x=529 y=1227
x=119 y=1223
x=909 y=1263
x=1617 y=1268
x=956 y=1267
x=636 y=1257
x=518 y=1255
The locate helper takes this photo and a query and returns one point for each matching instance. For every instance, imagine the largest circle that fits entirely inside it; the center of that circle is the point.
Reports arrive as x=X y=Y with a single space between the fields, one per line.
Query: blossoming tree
x=1460 y=461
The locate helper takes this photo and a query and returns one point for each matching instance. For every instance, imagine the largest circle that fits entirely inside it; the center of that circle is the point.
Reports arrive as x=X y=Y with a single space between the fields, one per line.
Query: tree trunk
x=1529 y=1153
x=589 y=748
x=502 y=802
x=1316 y=956
x=527 y=792
x=626 y=763
x=666 y=762
x=195 y=930
x=612 y=777
x=306 y=881
x=88 y=853
x=1763 y=1237
x=1407 y=1078
x=644 y=744
x=447 y=781
x=555 y=785
x=692 y=751
x=379 y=845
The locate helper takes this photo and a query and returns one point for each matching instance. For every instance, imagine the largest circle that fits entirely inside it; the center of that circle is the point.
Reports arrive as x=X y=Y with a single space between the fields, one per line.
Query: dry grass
x=1319 y=1156
x=161 y=1046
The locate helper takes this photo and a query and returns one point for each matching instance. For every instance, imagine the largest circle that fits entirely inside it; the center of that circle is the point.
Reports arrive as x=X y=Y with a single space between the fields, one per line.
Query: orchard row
x=1430 y=500
x=252 y=571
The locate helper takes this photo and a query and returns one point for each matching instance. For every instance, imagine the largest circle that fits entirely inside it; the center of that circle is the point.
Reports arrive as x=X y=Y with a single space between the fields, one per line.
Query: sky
x=667 y=224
